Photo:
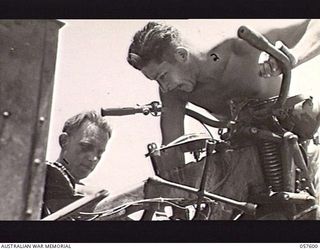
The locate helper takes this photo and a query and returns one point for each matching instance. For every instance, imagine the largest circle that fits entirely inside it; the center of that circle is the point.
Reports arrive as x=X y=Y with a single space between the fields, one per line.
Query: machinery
x=276 y=129
x=27 y=65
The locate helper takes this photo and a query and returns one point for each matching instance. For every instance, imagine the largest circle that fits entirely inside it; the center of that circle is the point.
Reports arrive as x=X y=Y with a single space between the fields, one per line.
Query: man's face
x=83 y=149
x=171 y=76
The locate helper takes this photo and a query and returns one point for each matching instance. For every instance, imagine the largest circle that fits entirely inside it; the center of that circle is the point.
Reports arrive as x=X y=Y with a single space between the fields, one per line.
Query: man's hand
x=268 y=66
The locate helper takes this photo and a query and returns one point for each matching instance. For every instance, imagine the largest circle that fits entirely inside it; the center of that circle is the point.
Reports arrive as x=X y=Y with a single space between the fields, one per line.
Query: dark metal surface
x=27 y=65
x=247 y=207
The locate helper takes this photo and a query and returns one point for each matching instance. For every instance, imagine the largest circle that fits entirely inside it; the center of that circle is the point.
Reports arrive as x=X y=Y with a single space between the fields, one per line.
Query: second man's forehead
x=97 y=139
x=94 y=131
x=91 y=130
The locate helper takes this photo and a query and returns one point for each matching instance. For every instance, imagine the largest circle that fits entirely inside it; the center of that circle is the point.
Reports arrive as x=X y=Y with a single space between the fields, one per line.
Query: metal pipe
x=210 y=145
x=246 y=207
x=156 y=108
x=260 y=42
x=262 y=134
x=72 y=207
x=289 y=170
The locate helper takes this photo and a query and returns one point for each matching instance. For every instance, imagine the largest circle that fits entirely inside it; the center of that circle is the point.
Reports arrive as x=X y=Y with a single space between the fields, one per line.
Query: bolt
x=42 y=119
x=303 y=179
x=6 y=114
x=254 y=130
x=12 y=50
x=298 y=190
x=37 y=161
x=298 y=170
x=286 y=197
x=29 y=211
x=297 y=182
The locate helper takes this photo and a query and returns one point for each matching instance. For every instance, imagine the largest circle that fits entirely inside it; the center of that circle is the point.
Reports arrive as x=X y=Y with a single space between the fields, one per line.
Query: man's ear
x=181 y=54
x=63 y=139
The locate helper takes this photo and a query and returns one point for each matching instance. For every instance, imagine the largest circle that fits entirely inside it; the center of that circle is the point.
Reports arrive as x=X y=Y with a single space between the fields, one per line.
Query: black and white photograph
x=159 y=120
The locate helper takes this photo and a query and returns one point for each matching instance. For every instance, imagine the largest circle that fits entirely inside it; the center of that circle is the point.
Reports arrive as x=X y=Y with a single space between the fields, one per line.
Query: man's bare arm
x=172 y=116
x=309 y=45
x=172 y=126
x=303 y=41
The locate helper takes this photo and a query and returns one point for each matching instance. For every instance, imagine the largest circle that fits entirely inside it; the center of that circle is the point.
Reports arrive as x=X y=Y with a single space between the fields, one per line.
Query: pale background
x=92 y=72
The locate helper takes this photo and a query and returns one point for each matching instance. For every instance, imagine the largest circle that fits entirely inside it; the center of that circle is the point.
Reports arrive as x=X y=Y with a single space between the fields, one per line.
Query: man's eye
x=162 y=77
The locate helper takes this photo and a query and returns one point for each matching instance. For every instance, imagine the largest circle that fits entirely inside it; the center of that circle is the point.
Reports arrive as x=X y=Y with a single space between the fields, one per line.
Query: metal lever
x=153 y=108
x=248 y=208
x=72 y=207
x=260 y=42
x=210 y=146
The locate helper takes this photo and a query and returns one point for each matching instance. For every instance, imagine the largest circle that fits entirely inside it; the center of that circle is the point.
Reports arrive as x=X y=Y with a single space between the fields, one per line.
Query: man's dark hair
x=151 y=43
x=92 y=116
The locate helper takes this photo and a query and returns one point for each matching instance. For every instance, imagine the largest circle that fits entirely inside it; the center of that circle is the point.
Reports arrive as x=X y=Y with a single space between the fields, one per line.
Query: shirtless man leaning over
x=210 y=76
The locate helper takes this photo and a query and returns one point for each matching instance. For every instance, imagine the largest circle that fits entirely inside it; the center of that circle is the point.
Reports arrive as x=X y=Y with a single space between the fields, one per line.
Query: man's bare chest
x=212 y=98
x=215 y=97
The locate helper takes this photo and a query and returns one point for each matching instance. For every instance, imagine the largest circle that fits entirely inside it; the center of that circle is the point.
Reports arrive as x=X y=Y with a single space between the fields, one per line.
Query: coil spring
x=271 y=162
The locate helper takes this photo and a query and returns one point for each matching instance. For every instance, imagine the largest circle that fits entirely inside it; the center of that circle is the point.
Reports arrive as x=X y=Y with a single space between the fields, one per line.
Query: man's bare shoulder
x=231 y=46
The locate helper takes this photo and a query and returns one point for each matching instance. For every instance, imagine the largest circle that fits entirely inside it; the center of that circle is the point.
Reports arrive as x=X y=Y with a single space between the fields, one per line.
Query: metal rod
x=210 y=145
x=287 y=164
x=246 y=207
x=147 y=109
x=260 y=42
x=72 y=207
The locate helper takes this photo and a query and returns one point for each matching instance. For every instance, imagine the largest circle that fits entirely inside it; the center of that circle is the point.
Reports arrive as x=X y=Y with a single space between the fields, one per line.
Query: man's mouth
x=86 y=167
x=185 y=87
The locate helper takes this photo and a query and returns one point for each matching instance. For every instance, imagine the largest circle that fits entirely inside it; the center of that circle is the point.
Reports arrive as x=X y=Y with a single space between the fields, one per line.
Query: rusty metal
x=279 y=149
x=27 y=66
x=246 y=207
x=303 y=172
x=210 y=146
x=154 y=108
x=155 y=157
x=75 y=206
x=289 y=173
x=290 y=198
x=260 y=42
x=271 y=163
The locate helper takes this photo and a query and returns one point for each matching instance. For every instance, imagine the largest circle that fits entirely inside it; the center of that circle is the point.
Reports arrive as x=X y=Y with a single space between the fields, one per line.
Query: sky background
x=92 y=73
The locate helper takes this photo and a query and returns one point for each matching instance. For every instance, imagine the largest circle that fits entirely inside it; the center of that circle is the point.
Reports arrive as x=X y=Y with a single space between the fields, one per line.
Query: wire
x=126 y=205
x=205 y=126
